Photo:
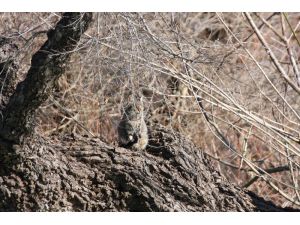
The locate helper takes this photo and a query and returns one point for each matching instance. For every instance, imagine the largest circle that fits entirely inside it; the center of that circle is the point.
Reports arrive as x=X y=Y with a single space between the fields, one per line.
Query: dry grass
x=206 y=75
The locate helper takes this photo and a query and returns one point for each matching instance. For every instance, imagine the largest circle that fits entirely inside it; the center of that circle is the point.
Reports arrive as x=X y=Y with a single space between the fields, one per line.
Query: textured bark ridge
x=85 y=174
x=47 y=65
x=8 y=69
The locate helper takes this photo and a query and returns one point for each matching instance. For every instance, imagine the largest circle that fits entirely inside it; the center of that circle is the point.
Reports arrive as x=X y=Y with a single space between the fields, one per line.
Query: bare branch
x=46 y=67
x=271 y=54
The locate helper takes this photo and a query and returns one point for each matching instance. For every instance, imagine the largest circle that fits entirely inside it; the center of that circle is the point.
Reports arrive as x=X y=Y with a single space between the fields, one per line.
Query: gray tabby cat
x=132 y=129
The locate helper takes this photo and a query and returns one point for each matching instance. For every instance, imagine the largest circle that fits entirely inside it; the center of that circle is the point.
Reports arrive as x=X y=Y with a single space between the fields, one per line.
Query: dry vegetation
x=228 y=81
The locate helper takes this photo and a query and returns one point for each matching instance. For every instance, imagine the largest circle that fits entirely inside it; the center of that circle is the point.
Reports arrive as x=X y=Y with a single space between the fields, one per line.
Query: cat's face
x=132 y=111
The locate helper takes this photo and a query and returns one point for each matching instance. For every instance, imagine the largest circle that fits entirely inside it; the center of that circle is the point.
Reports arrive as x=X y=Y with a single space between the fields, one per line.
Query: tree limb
x=47 y=65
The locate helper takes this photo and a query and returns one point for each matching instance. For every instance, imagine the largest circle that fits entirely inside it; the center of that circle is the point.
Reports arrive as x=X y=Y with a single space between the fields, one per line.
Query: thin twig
x=271 y=54
x=70 y=114
x=271 y=170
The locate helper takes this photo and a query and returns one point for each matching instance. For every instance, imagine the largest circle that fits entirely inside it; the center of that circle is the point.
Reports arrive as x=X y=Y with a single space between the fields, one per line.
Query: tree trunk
x=71 y=173
x=8 y=70
x=47 y=65
x=85 y=174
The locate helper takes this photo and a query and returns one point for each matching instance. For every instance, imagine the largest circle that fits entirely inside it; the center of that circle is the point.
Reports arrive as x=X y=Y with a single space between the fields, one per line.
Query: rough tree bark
x=8 y=69
x=71 y=173
x=46 y=67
